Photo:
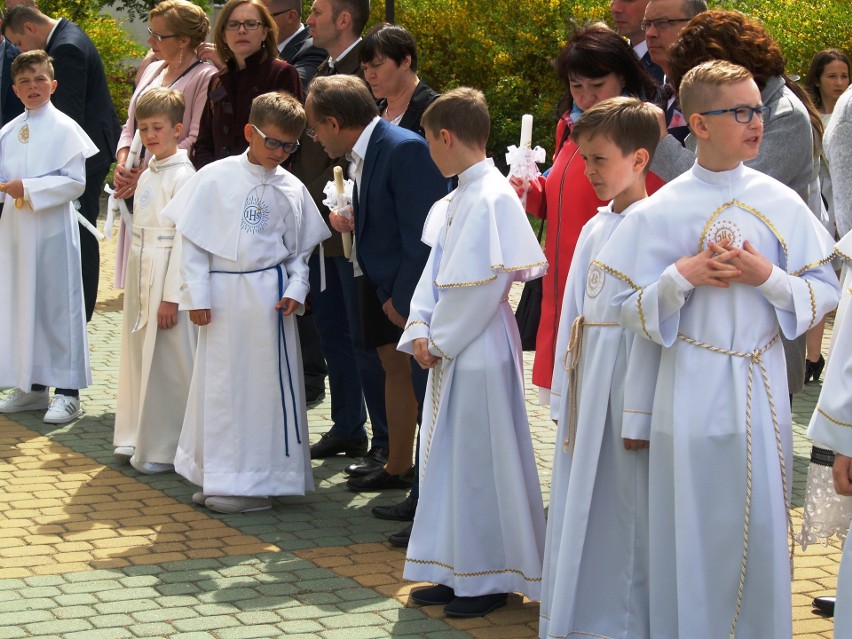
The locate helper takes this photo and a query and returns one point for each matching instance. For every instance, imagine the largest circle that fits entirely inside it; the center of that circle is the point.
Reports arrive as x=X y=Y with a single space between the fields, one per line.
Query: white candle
x=341 y=206
x=526 y=131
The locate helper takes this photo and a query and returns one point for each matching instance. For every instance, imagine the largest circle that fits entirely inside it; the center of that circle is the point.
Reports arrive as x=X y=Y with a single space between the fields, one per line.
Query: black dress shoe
x=400 y=539
x=330 y=445
x=312 y=400
x=814 y=369
x=379 y=479
x=439 y=595
x=825 y=605
x=475 y=606
x=375 y=458
x=403 y=511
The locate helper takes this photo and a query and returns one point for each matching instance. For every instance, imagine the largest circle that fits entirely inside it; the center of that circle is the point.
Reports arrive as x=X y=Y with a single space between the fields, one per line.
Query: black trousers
x=90 y=255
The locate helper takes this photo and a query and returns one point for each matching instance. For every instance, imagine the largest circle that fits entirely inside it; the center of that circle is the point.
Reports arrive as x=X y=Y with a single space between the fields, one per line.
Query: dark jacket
x=82 y=91
x=229 y=97
x=423 y=96
x=9 y=103
x=302 y=54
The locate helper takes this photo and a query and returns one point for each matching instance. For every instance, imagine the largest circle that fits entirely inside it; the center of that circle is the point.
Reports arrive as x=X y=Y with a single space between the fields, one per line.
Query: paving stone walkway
x=91 y=549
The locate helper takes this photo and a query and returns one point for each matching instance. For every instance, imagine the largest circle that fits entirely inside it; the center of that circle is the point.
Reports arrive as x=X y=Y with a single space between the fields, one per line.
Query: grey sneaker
x=151 y=468
x=199 y=498
x=124 y=453
x=63 y=409
x=19 y=400
x=237 y=504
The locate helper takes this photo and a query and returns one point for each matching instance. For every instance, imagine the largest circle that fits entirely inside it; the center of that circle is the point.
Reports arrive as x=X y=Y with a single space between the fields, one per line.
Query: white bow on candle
x=522 y=159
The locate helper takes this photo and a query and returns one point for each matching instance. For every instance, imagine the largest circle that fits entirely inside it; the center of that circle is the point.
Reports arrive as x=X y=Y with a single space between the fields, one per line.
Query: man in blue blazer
x=396 y=184
x=82 y=94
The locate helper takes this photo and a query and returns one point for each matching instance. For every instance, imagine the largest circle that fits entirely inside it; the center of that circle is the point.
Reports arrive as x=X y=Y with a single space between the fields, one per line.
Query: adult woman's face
x=833 y=81
x=168 y=45
x=385 y=76
x=587 y=92
x=244 y=42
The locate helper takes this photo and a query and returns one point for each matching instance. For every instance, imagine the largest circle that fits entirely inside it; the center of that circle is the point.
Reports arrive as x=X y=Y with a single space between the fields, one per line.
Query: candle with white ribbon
x=526 y=131
x=342 y=209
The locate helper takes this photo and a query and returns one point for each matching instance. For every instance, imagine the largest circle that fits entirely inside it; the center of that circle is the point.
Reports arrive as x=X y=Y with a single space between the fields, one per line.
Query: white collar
x=359 y=150
x=641 y=49
x=50 y=35
x=342 y=55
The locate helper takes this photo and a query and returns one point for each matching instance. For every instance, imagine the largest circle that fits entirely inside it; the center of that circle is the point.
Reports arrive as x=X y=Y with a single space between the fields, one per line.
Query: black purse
x=528 y=313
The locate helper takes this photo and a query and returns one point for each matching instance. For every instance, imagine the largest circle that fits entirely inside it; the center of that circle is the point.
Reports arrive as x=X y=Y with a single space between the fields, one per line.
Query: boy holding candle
x=479 y=529
x=42 y=321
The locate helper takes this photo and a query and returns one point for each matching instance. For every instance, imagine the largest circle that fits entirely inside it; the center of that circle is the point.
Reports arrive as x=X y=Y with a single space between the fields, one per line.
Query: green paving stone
x=192 y=564
x=61 y=626
x=289 y=565
x=417 y=627
x=301 y=636
x=133 y=571
x=220 y=583
x=251 y=632
x=185 y=575
x=193 y=635
x=71 y=612
x=318 y=598
x=447 y=634
x=300 y=626
x=239 y=571
x=103 y=633
x=182 y=588
x=403 y=614
x=355 y=633
x=210 y=609
x=125 y=607
x=324 y=585
x=263 y=603
x=229 y=595
x=127 y=594
x=381 y=603
x=87 y=586
x=111 y=621
x=151 y=629
x=37 y=581
x=44 y=591
x=166 y=613
x=302 y=612
x=11 y=584
x=205 y=623
x=9 y=595
x=75 y=600
x=12 y=632
x=257 y=617
x=139 y=580
x=26 y=604
x=361 y=619
x=93 y=575
x=357 y=594
x=177 y=601
x=277 y=590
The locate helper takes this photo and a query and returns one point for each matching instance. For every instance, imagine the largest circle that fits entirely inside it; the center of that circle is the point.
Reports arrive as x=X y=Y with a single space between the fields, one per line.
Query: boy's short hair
x=464 y=113
x=699 y=85
x=280 y=109
x=346 y=98
x=630 y=123
x=161 y=101
x=29 y=60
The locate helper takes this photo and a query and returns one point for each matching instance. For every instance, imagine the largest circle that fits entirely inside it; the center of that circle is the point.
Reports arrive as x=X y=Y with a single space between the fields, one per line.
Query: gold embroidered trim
x=415 y=323
x=461 y=284
x=445 y=356
x=831 y=419
x=507 y=269
x=24 y=134
x=642 y=314
x=744 y=207
x=808 y=267
x=843 y=255
x=813 y=304
x=618 y=274
x=481 y=573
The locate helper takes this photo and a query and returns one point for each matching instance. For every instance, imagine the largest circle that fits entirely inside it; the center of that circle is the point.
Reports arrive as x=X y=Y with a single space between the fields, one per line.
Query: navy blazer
x=11 y=106
x=302 y=54
x=399 y=184
x=82 y=92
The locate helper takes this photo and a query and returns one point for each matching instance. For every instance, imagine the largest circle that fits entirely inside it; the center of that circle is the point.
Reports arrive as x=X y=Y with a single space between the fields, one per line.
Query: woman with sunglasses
x=246 y=39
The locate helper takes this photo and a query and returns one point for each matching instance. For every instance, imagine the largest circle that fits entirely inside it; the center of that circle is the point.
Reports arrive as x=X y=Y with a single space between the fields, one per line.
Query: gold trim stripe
x=808 y=267
x=481 y=573
x=831 y=419
x=617 y=274
x=461 y=284
x=415 y=323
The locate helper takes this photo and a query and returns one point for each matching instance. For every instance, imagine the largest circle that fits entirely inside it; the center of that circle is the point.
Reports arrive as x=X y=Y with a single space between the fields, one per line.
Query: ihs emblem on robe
x=595 y=280
x=24 y=134
x=722 y=230
x=255 y=215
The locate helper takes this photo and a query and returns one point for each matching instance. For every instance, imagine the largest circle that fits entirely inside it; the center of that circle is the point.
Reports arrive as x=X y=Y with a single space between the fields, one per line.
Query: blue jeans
x=355 y=374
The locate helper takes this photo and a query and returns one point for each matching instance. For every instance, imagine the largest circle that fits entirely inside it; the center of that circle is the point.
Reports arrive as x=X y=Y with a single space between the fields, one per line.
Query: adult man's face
x=282 y=16
x=627 y=15
x=326 y=131
x=322 y=24
x=27 y=39
x=660 y=37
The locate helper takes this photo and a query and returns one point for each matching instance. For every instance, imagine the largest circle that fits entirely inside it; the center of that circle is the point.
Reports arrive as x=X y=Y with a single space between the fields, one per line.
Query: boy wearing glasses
x=715 y=267
x=157 y=340
x=247 y=227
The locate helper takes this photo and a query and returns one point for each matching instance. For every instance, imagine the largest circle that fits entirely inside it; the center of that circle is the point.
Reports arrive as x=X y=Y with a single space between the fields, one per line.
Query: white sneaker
x=124 y=453
x=63 y=409
x=19 y=400
x=151 y=468
x=237 y=504
x=199 y=498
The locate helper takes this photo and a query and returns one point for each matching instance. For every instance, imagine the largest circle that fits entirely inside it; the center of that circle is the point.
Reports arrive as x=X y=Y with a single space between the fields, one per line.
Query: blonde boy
x=479 y=529
x=715 y=266
x=247 y=227
x=595 y=568
x=42 y=323
x=158 y=341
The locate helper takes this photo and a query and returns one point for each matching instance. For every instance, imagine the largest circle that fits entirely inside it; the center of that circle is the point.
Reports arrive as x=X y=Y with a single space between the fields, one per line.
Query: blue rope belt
x=283 y=340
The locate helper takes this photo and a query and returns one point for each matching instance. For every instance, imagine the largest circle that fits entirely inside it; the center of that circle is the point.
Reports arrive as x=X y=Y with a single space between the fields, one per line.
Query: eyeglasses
x=160 y=38
x=311 y=131
x=273 y=145
x=743 y=114
x=661 y=24
x=248 y=25
x=278 y=13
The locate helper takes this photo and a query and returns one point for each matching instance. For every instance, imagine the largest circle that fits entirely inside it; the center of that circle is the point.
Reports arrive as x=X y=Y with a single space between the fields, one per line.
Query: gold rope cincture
x=435 y=379
x=754 y=357
x=571 y=363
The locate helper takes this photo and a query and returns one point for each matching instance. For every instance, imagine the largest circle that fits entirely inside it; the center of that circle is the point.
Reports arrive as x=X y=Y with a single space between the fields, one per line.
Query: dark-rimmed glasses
x=248 y=25
x=743 y=114
x=273 y=145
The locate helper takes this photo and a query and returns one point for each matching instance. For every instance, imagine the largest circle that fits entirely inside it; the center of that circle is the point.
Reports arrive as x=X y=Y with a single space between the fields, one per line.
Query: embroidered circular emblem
x=595 y=280
x=24 y=134
x=725 y=230
x=145 y=197
x=255 y=215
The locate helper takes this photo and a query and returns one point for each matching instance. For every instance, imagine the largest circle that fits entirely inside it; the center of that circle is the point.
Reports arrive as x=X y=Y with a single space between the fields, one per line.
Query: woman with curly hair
x=596 y=64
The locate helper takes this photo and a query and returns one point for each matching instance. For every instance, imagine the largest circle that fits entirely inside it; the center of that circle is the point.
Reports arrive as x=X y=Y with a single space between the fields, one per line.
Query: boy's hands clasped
x=201 y=317
x=719 y=265
x=422 y=355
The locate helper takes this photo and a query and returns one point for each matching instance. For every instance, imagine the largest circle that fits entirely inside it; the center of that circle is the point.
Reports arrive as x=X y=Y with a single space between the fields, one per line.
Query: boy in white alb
x=596 y=565
x=714 y=267
x=157 y=341
x=42 y=323
x=831 y=425
x=479 y=529
x=247 y=229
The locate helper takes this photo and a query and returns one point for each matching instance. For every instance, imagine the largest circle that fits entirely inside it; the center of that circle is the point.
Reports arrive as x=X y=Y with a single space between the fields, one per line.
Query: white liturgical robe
x=596 y=551
x=156 y=364
x=42 y=322
x=831 y=424
x=247 y=233
x=480 y=520
x=721 y=428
